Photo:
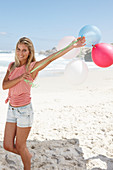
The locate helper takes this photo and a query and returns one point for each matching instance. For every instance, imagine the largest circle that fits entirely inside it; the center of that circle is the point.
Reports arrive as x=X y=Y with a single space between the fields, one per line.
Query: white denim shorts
x=23 y=115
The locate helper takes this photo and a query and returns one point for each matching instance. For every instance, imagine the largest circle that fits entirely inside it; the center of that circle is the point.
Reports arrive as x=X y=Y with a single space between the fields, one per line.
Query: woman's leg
x=21 y=137
x=9 y=137
x=21 y=134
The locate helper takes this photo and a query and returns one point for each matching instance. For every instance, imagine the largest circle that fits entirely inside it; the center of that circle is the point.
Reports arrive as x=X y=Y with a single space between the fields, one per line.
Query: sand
x=73 y=125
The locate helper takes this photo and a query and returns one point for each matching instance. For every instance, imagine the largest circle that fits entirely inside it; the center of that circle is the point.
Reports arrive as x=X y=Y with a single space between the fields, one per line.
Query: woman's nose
x=20 y=52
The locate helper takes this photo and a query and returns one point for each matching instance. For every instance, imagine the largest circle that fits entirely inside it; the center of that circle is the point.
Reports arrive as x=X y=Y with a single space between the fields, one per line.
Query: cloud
x=3 y=33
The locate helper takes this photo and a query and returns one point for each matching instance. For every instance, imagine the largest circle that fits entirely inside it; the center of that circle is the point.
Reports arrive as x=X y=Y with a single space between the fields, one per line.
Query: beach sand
x=73 y=125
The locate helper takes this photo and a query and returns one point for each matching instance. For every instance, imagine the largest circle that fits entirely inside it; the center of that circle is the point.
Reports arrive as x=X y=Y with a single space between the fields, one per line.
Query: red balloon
x=102 y=54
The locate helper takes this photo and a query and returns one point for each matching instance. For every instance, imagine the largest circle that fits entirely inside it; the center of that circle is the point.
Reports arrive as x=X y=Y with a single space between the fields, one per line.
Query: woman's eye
x=24 y=50
x=18 y=49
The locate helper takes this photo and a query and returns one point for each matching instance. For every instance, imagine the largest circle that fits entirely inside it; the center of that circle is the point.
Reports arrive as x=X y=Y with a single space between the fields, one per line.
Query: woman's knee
x=20 y=146
x=7 y=146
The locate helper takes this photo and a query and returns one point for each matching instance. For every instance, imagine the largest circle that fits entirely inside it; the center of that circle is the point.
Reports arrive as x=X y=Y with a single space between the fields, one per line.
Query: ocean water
x=53 y=69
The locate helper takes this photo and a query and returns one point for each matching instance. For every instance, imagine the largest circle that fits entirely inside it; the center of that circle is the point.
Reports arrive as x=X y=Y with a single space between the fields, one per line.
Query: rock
x=48 y=52
x=42 y=52
x=9 y=161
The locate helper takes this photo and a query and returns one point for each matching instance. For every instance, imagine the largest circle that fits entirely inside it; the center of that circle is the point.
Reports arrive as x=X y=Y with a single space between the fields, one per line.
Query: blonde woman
x=20 y=113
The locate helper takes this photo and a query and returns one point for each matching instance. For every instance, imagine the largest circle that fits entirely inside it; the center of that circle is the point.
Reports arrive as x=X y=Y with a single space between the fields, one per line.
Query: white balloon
x=64 y=42
x=76 y=72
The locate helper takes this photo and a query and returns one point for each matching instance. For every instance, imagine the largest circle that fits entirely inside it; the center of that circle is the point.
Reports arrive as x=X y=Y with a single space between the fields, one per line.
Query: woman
x=20 y=113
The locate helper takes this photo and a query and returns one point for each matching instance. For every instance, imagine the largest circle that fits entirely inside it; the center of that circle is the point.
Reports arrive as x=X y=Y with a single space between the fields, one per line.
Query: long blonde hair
x=31 y=57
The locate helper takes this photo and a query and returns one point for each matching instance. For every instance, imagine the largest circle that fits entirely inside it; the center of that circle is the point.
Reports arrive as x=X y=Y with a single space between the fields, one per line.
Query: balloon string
x=93 y=46
x=31 y=83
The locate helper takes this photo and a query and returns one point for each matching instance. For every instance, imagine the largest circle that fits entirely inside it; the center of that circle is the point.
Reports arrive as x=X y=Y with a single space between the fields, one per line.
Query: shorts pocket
x=25 y=118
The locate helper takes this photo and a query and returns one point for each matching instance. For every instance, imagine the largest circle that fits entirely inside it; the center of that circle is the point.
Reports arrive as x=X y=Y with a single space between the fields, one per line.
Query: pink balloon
x=65 y=42
x=102 y=54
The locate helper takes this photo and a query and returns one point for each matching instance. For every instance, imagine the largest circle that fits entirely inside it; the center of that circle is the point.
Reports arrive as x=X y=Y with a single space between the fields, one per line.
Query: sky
x=46 y=22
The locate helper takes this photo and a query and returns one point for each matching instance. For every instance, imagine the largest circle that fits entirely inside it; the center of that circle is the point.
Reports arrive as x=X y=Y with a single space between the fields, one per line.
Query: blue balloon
x=92 y=35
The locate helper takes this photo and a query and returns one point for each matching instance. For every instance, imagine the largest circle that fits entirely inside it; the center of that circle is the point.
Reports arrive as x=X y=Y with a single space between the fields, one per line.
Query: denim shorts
x=23 y=115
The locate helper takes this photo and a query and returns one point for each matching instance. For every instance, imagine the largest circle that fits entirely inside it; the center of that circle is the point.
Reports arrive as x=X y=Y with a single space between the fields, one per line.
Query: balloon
x=92 y=35
x=102 y=54
x=65 y=42
x=76 y=72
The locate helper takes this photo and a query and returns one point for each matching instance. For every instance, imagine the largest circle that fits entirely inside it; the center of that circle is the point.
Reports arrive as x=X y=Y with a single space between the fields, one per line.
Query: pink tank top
x=19 y=95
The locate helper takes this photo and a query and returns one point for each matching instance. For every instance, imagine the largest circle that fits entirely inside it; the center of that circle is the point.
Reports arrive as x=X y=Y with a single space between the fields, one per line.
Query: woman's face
x=22 y=52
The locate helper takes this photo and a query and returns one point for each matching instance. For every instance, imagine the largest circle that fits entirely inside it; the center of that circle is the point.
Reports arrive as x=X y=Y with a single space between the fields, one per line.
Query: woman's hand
x=80 y=42
x=24 y=76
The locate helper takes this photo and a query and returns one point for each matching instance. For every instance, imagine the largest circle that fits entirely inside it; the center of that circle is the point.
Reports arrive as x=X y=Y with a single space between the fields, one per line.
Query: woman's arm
x=43 y=63
x=10 y=83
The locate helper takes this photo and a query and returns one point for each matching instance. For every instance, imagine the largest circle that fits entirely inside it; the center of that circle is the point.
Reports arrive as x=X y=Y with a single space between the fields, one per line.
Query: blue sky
x=45 y=22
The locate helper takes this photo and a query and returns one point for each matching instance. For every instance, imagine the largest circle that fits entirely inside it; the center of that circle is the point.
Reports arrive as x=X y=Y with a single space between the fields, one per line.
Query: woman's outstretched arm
x=43 y=63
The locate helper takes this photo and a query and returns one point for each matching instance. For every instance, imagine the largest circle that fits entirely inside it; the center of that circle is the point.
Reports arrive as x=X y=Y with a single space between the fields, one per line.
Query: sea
x=55 y=68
